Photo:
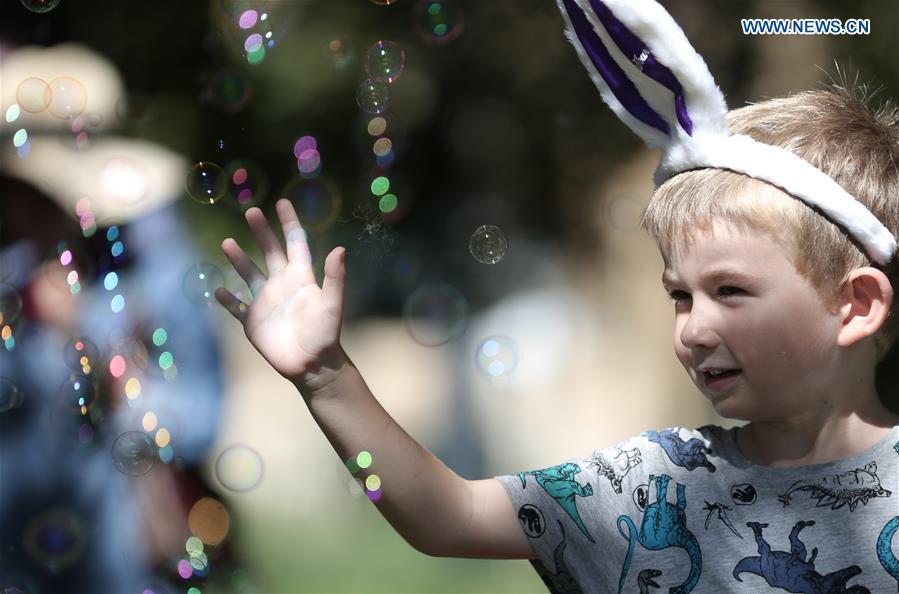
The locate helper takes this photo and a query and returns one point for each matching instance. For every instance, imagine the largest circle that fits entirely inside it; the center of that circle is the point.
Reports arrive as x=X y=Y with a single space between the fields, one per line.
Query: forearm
x=426 y=502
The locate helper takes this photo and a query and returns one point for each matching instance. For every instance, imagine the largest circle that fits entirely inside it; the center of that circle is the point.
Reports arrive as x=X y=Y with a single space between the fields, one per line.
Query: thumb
x=335 y=279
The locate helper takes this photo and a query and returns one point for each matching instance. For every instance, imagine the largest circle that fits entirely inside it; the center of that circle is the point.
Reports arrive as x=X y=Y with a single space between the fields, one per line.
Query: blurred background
x=502 y=302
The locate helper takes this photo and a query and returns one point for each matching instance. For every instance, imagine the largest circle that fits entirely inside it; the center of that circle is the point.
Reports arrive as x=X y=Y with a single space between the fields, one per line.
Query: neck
x=814 y=439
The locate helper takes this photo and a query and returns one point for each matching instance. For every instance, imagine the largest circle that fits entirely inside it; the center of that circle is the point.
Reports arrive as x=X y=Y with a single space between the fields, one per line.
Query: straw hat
x=49 y=93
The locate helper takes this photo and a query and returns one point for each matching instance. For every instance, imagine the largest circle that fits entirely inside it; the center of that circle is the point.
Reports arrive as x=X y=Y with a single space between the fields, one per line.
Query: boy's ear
x=864 y=304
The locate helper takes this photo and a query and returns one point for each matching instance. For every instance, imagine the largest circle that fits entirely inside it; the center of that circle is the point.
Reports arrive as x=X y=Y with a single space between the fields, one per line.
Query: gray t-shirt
x=682 y=510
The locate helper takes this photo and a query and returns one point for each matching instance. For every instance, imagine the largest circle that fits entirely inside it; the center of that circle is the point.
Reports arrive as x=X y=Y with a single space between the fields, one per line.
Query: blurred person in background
x=111 y=375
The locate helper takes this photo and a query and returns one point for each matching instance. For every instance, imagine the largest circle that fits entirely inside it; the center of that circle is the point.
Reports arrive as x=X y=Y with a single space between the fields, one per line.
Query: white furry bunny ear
x=656 y=83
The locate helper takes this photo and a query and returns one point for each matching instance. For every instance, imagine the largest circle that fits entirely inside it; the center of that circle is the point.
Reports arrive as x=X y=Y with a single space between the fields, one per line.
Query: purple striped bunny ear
x=645 y=69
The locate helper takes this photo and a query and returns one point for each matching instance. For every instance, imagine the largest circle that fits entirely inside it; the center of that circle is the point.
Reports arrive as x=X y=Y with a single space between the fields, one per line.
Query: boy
x=781 y=319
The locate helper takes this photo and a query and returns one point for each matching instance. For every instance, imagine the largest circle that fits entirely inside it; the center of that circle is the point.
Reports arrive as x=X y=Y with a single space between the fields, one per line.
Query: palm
x=293 y=323
x=289 y=323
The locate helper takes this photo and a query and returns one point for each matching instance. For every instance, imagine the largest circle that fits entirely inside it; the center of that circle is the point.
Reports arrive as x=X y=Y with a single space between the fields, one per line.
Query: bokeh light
x=31 y=94
x=317 y=201
x=373 y=96
x=435 y=314
x=55 y=539
x=386 y=61
x=496 y=356
x=163 y=437
x=488 y=244
x=200 y=282
x=206 y=182
x=209 y=521
x=10 y=303
x=65 y=97
x=438 y=21
x=239 y=468
x=40 y=6
x=133 y=453
x=383 y=2
x=10 y=395
x=149 y=420
x=80 y=355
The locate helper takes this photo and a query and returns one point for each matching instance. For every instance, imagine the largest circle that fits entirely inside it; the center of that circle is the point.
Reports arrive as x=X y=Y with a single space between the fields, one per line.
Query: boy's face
x=769 y=322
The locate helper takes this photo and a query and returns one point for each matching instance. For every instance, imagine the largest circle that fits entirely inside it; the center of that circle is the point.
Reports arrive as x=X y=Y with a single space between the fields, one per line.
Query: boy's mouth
x=720 y=379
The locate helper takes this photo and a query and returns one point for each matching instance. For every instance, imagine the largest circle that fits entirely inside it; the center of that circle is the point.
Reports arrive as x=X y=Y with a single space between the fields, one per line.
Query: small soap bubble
x=10 y=304
x=10 y=395
x=386 y=61
x=229 y=90
x=488 y=244
x=78 y=393
x=209 y=521
x=624 y=213
x=239 y=468
x=438 y=21
x=81 y=355
x=316 y=200
x=133 y=453
x=31 y=94
x=20 y=137
x=200 y=282
x=303 y=145
x=40 y=6
x=435 y=314
x=65 y=97
x=206 y=183
x=497 y=356
x=383 y=2
x=13 y=113
x=55 y=539
x=373 y=96
x=341 y=53
x=248 y=184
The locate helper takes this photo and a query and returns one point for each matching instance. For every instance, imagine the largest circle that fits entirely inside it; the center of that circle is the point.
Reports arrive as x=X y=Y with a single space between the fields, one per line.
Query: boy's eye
x=725 y=291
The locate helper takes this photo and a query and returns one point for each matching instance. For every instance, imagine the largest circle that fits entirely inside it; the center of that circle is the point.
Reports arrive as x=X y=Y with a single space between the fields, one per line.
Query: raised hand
x=292 y=322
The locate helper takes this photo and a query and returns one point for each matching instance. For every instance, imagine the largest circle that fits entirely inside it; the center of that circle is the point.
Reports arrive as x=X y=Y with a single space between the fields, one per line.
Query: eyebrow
x=714 y=276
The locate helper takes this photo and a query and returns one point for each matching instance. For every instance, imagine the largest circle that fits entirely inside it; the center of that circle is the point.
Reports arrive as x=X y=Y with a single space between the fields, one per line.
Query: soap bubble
x=65 y=97
x=209 y=521
x=435 y=314
x=31 y=95
x=248 y=184
x=40 y=6
x=317 y=201
x=386 y=61
x=206 y=183
x=10 y=304
x=624 y=213
x=55 y=539
x=373 y=96
x=239 y=468
x=134 y=453
x=229 y=90
x=497 y=356
x=341 y=52
x=488 y=244
x=81 y=355
x=10 y=395
x=78 y=393
x=200 y=282
x=438 y=21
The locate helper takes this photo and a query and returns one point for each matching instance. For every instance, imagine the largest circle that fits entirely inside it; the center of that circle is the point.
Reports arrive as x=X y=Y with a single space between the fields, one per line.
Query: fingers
x=235 y=306
x=335 y=279
x=244 y=265
x=294 y=235
x=275 y=259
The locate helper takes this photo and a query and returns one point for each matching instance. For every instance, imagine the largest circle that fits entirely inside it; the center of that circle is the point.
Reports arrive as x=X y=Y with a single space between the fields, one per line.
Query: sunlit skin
x=807 y=385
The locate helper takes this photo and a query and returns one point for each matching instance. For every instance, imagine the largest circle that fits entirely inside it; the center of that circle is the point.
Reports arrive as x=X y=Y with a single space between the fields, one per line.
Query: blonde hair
x=838 y=131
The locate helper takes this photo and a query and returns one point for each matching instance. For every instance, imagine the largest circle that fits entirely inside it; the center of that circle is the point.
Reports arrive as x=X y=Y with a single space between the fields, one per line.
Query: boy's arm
x=295 y=325
x=434 y=509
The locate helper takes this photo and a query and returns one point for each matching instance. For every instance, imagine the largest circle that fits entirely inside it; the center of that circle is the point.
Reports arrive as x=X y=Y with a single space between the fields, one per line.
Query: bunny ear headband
x=656 y=83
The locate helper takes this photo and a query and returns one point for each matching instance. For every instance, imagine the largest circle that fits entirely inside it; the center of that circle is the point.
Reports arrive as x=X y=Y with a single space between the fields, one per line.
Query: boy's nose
x=699 y=331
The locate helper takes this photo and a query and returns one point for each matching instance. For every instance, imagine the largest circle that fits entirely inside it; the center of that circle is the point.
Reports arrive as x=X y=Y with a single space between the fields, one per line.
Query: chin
x=730 y=409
